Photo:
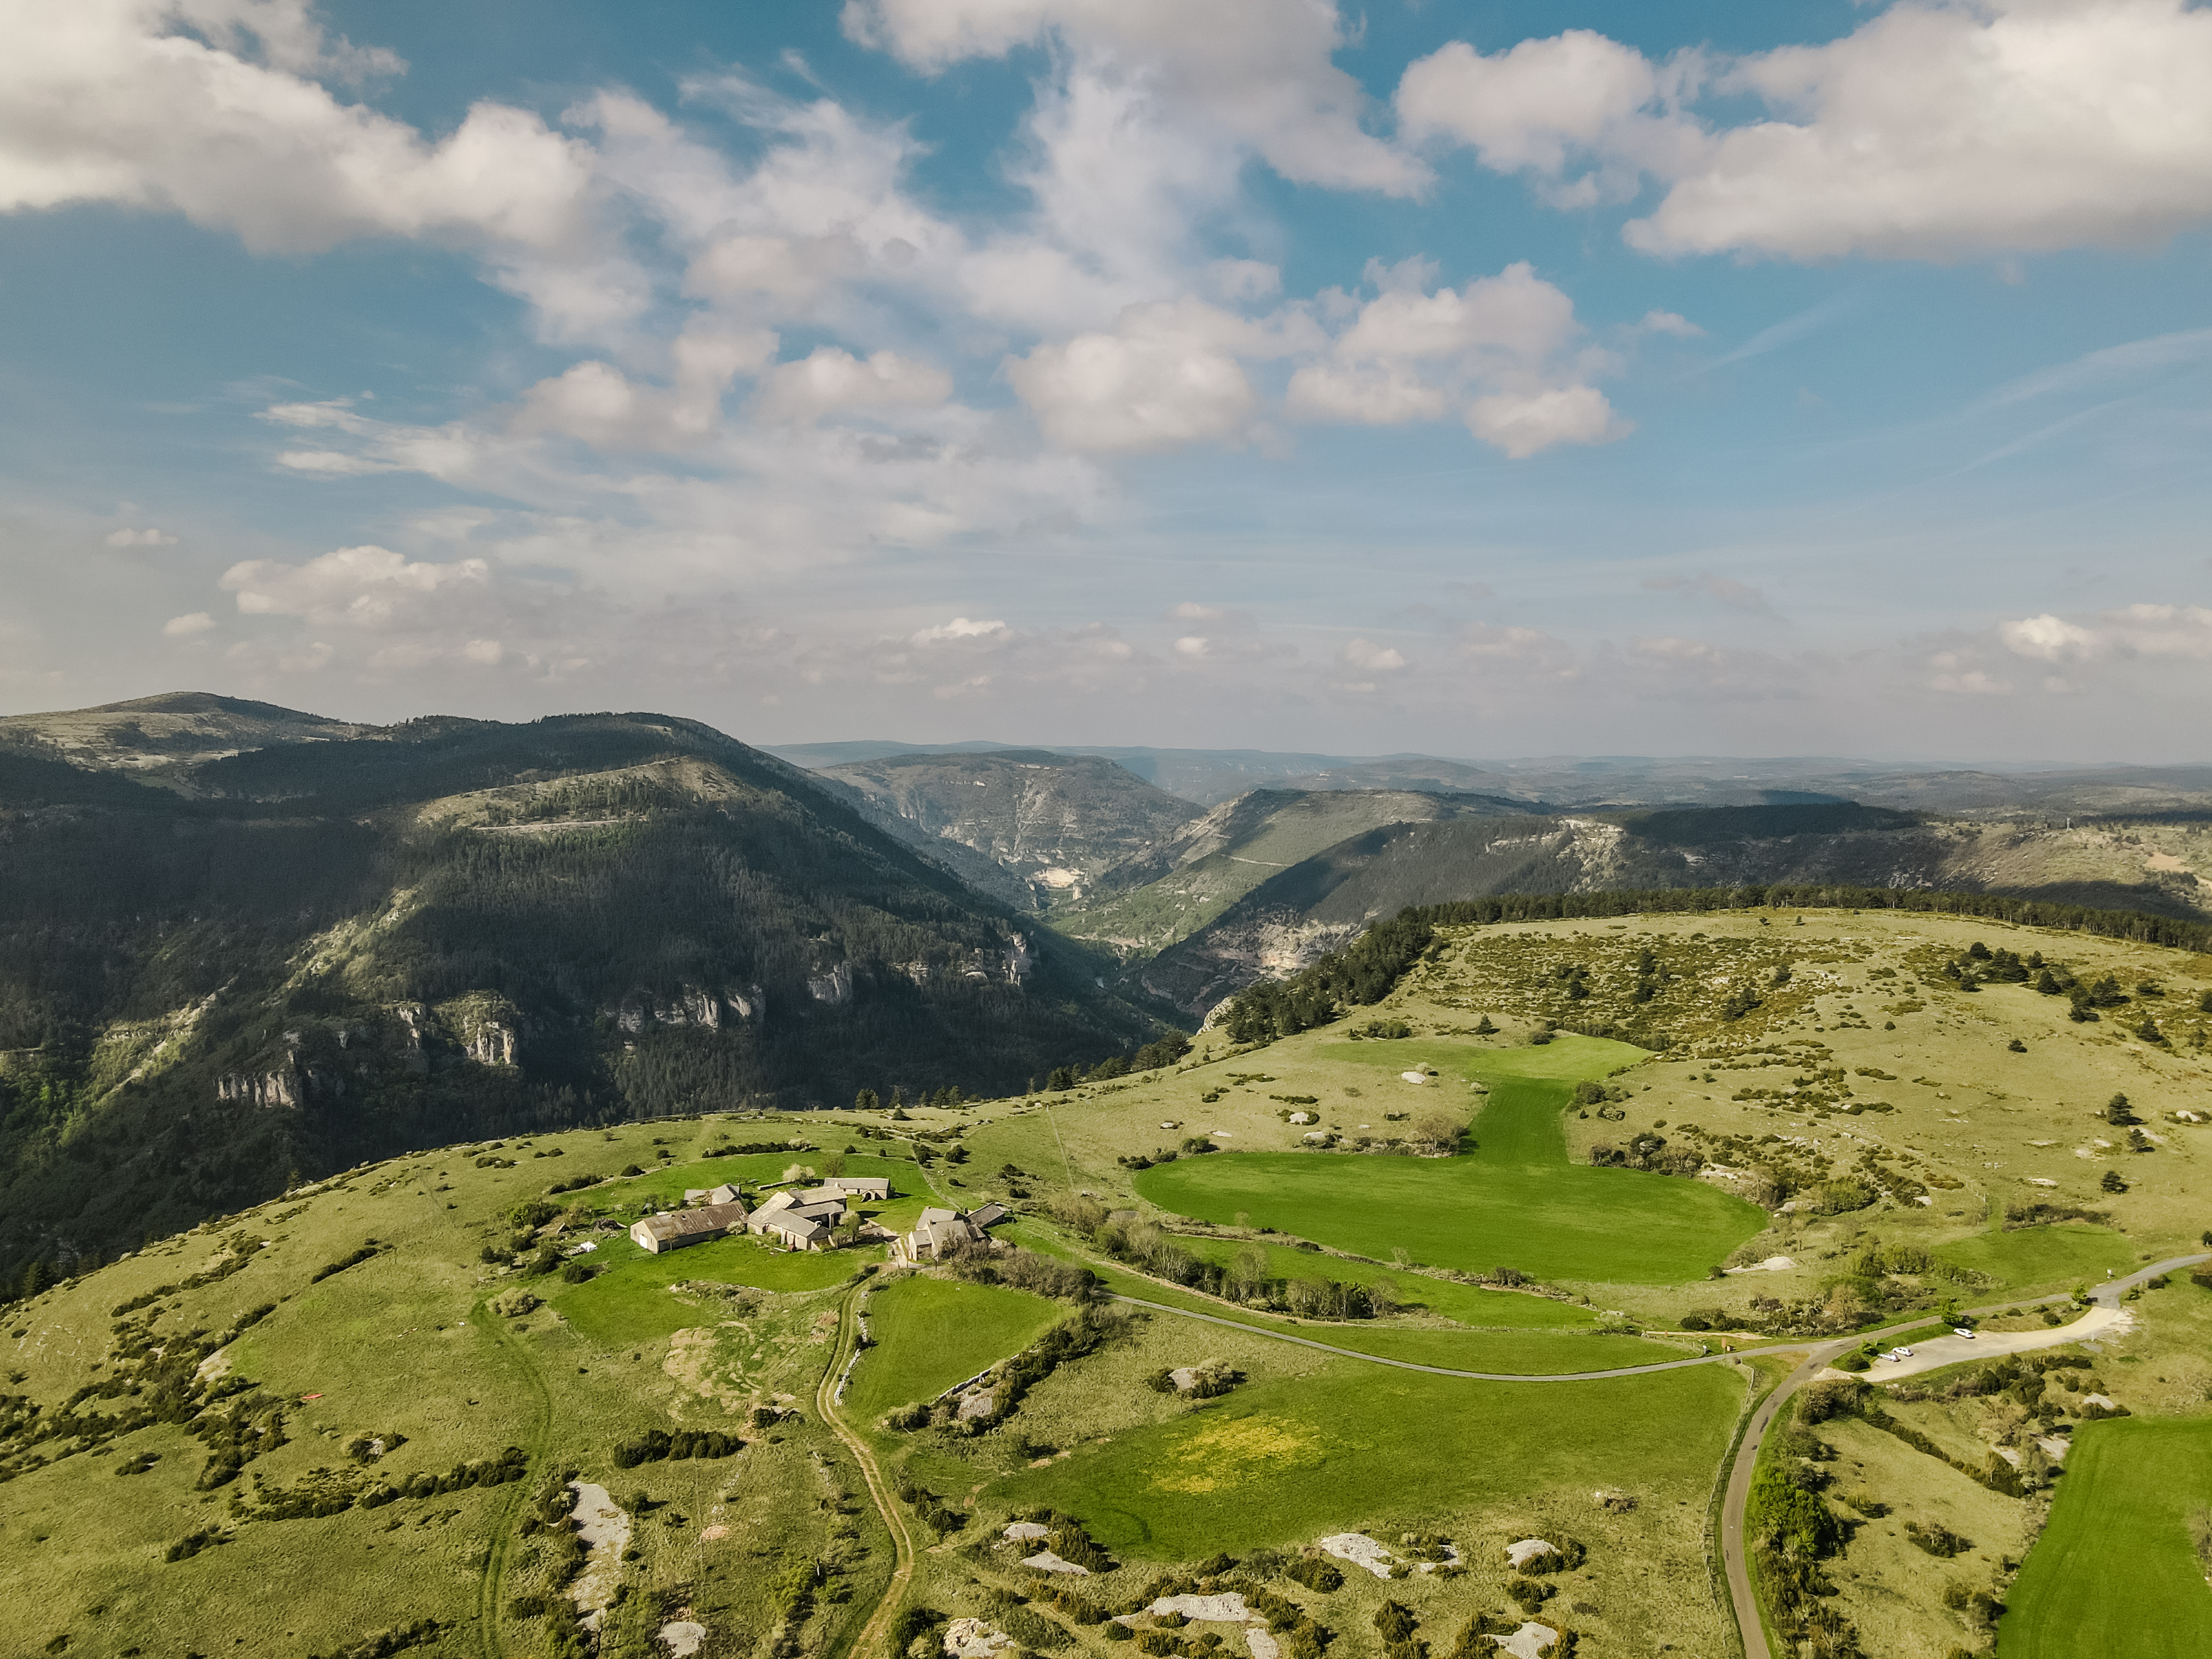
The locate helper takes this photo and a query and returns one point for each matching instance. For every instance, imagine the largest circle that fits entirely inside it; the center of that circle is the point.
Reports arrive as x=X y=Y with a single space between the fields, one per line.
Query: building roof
x=787 y=1224
x=708 y=1219
x=933 y=1214
x=867 y=1185
x=990 y=1215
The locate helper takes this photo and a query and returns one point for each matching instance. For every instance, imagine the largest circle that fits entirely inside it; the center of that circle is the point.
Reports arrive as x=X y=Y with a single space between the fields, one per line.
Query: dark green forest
x=283 y=967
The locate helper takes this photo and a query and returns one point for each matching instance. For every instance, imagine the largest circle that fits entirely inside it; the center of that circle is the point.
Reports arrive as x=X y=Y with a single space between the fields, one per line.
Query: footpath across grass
x=1283 y=1462
x=2116 y=1572
x=929 y=1333
x=1514 y=1202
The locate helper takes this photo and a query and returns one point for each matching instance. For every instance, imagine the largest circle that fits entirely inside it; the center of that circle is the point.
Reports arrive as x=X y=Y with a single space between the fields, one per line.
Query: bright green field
x=1279 y=1464
x=629 y=1301
x=2040 y=1257
x=930 y=1334
x=1515 y=1202
x=1470 y=1304
x=2114 y=1573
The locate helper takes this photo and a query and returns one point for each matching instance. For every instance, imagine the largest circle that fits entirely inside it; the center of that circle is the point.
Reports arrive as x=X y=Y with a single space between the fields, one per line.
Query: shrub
x=1315 y=1572
x=1528 y=1595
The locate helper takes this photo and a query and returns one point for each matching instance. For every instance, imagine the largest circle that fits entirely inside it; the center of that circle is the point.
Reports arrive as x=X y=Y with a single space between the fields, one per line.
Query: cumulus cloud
x=829 y=381
x=210 y=108
x=1262 y=70
x=369 y=586
x=1934 y=130
x=959 y=629
x=2136 y=630
x=183 y=627
x=149 y=537
x=1167 y=374
x=1500 y=351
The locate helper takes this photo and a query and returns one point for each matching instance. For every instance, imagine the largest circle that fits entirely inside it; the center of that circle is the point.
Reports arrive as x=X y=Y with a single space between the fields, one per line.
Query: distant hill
x=1056 y=822
x=164 y=736
x=1295 y=914
x=1150 y=901
x=301 y=956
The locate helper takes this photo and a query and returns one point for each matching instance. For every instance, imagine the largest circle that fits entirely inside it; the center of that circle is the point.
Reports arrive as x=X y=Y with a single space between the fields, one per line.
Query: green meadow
x=1515 y=1201
x=2116 y=1572
x=2037 y=1258
x=629 y=1300
x=928 y=1333
x=1469 y=1304
x=1280 y=1462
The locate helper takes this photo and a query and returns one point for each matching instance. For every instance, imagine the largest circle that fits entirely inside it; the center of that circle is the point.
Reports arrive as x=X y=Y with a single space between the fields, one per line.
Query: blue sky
x=1486 y=379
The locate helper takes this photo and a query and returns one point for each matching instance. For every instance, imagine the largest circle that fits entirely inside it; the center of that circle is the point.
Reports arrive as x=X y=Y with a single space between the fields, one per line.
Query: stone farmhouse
x=797 y=1220
x=942 y=1232
x=673 y=1229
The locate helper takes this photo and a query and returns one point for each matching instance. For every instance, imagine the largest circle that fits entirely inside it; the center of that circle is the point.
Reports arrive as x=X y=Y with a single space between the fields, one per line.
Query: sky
x=1481 y=379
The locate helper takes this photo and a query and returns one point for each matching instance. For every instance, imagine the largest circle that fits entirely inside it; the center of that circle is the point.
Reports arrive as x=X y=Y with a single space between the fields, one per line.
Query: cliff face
x=295 y=957
x=1057 y=823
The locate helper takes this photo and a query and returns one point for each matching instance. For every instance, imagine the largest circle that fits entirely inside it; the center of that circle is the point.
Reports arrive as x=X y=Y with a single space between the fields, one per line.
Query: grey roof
x=866 y=1186
x=708 y=1221
x=990 y=1215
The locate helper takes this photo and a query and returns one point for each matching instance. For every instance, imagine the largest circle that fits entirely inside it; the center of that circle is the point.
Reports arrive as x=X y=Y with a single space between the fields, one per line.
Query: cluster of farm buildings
x=810 y=1219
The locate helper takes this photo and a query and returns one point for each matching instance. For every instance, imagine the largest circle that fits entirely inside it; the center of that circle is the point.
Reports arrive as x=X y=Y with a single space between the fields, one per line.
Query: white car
x=1960 y=1330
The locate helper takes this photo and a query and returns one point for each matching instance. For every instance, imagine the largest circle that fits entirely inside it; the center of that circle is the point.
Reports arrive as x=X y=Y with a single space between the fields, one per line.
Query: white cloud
x=1259 y=69
x=959 y=629
x=1499 y=350
x=183 y=627
x=2183 y=632
x=369 y=586
x=1192 y=645
x=1938 y=130
x=829 y=381
x=1167 y=374
x=115 y=101
x=146 y=537
x=1545 y=104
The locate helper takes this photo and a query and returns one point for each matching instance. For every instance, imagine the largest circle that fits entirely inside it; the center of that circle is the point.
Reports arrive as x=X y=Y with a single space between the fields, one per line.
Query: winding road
x=2102 y=1317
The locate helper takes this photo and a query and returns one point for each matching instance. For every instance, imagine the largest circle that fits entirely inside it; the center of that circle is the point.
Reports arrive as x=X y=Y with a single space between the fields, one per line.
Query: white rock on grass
x=1226 y=1609
x=605 y=1529
x=1020 y=1530
x=1046 y=1561
x=682 y=1637
x=976 y=1405
x=2054 y=1447
x=1263 y=1645
x=2104 y=1400
x=1773 y=1264
x=974 y=1638
x=1523 y=1551
x=1413 y=1077
x=1528 y=1642
x=1361 y=1551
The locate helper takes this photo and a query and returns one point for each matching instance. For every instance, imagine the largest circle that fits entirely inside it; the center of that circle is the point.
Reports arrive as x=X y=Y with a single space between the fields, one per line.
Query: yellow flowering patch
x=1226 y=1454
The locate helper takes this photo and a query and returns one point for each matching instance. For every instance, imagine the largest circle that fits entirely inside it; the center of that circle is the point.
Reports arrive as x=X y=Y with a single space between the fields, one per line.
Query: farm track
x=825 y=1404
x=1818 y=1357
x=491 y=1635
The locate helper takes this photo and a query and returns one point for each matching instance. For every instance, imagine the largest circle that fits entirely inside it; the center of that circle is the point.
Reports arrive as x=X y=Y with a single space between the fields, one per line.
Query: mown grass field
x=1514 y=1202
x=2115 y=1573
x=2038 y=1258
x=629 y=1301
x=929 y=1333
x=1281 y=1463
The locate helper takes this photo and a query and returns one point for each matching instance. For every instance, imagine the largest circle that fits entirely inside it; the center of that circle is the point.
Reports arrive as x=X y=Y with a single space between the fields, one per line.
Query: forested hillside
x=1289 y=918
x=302 y=956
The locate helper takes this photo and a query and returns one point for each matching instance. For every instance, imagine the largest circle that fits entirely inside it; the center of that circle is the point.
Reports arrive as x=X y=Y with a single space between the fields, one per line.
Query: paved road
x=2103 y=1316
x=825 y=1402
